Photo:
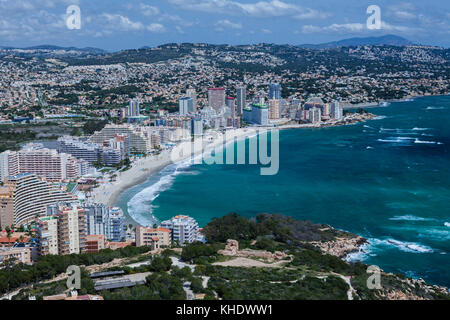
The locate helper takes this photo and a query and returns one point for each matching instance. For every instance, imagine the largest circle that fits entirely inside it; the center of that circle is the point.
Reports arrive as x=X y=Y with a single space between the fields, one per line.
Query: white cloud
x=156 y=28
x=355 y=28
x=266 y=31
x=149 y=11
x=227 y=24
x=260 y=9
x=122 y=23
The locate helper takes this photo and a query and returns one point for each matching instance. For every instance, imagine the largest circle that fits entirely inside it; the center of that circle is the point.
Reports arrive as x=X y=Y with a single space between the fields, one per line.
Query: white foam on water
x=140 y=207
x=410 y=218
x=426 y=142
x=435 y=108
x=447 y=224
x=406 y=246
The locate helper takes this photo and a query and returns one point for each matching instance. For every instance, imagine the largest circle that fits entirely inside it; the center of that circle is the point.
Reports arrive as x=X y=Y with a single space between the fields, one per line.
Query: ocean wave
x=410 y=218
x=426 y=142
x=420 y=129
x=396 y=140
x=404 y=246
x=375 y=245
x=435 y=108
x=447 y=224
x=140 y=206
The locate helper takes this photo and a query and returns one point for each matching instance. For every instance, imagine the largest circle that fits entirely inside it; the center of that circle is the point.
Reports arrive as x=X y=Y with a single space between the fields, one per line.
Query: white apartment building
x=184 y=229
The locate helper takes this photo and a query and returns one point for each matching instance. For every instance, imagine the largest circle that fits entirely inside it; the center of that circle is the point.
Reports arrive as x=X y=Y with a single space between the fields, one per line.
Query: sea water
x=387 y=179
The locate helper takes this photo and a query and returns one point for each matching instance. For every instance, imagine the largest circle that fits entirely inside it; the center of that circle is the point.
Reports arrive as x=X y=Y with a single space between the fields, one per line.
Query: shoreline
x=109 y=192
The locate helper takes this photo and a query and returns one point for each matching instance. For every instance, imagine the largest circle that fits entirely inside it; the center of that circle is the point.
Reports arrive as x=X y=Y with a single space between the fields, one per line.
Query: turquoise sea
x=387 y=179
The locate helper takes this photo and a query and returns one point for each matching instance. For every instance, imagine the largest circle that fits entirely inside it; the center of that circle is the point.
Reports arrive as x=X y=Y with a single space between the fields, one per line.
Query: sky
x=128 y=24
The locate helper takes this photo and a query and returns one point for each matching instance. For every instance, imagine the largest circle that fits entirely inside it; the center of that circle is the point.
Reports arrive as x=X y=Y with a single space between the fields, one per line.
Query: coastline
x=109 y=192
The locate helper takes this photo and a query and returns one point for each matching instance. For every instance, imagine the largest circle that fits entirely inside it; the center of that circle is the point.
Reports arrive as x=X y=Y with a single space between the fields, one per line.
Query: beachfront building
x=30 y=197
x=314 y=102
x=48 y=164
x=196 y=127
x=274 y=109
x=101 y=220
x=258 y=114
x=45 y=163
x=315 y=115
x=241 y=95
x=184 y=229
x=216 y=98
x=154 y=238
x=110 y=151
x=337 y=112
x=6 y=207
x=9 y=164
x=138 y=138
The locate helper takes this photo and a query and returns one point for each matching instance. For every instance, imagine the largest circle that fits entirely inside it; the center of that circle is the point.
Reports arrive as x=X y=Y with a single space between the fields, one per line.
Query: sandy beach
x=108 y=192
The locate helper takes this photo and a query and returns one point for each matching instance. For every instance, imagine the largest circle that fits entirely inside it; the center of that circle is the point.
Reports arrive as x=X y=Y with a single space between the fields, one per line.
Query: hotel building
x=30 y=197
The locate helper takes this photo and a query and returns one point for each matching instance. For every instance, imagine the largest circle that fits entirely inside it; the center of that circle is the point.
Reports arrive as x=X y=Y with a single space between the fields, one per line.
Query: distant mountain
x=87 y=50
x=391 y=40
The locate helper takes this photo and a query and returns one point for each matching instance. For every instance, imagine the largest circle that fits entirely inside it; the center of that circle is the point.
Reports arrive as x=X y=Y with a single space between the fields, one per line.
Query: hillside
x=271 y=257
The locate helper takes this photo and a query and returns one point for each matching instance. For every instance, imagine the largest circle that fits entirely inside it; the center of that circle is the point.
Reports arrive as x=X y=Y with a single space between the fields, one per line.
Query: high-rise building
x=275 y=91
x=71 y=228
x=184 y=229
x=138 y=138
x=45 y=163
x=31 y=196
x=197 y=127
x=315 y=115
x=274 y=109
x=258 y=114
x=47 y=231
x=6 y=207
x=191 y=93
x=216 y=98
x=9 y=164
x=336 y=111
x=133 y=109
x=48 y=164
x=108 y=152
x=101 y=220
x=241 y=94
x=186 y=105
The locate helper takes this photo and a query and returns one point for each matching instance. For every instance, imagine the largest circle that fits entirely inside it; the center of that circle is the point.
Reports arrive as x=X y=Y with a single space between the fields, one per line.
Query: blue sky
x=120 y=24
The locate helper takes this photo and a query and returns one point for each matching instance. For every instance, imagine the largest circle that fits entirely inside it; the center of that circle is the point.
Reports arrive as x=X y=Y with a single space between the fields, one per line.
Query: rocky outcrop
x=232 y=249
x=341 y=247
